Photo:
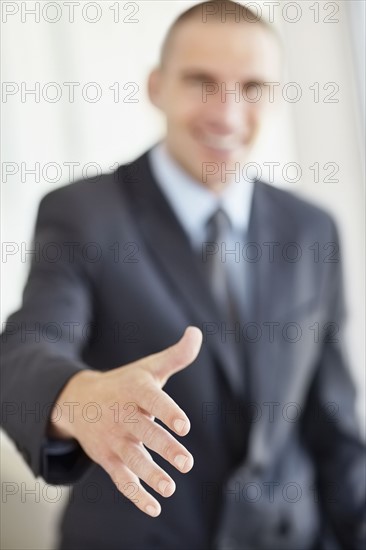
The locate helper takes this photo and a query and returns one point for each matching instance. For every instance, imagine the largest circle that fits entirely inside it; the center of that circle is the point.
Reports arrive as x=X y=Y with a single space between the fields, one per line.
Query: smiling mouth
x=220 y=143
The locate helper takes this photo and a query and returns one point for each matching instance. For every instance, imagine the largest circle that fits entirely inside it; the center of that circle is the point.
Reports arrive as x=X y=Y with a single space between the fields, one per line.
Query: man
x=267 y=417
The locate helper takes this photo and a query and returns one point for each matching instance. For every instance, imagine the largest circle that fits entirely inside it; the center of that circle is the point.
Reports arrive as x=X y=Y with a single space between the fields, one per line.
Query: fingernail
x=151 y=510
x=179 y=425
x=180 y=461
x=163 y=485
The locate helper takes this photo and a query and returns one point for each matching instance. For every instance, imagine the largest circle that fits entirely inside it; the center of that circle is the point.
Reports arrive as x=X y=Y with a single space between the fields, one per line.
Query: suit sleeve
x=43 y=341
x=334 y=439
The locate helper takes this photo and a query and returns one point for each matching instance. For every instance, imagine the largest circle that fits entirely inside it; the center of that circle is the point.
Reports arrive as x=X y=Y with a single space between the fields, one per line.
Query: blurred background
x=74 y=104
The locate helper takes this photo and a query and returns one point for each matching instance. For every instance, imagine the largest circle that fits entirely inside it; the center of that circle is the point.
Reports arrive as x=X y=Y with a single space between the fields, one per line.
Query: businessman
x=163 y=362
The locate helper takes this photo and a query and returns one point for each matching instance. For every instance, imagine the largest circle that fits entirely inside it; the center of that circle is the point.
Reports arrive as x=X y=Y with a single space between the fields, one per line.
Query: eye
x=253 y=90
x=198 y=79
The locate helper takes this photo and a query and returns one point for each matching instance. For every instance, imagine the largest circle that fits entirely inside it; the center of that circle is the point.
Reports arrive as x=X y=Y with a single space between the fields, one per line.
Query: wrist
x=62 y=418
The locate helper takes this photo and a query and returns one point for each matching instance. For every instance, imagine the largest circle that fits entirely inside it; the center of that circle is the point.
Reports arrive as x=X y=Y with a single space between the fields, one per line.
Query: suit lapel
x=273 y=296
x=262 y=284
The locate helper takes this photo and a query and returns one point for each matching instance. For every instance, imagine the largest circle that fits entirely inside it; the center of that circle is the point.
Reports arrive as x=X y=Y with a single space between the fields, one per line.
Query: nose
x=228 y=113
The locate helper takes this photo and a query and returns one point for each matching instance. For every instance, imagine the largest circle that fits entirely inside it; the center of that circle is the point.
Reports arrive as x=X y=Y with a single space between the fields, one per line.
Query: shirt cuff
x=63 y=462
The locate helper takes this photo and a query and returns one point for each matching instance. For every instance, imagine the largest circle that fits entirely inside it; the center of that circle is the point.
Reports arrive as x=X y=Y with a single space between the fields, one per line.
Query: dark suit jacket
x=113 y=280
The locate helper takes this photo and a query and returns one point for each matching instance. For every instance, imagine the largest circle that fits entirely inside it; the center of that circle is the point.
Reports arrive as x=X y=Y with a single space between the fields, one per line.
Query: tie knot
x=218 y=225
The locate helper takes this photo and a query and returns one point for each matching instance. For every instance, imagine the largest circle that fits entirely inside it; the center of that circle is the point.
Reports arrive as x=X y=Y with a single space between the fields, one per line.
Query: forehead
x=228 y=49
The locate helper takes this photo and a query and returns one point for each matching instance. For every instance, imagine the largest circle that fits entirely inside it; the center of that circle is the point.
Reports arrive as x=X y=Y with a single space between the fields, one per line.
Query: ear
x=154 y=87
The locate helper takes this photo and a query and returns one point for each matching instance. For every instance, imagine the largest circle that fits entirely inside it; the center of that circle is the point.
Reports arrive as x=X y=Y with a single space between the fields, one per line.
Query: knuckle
x=108 y=463
x=131 y=490
x=114 y=477
x=134 y=461
x=152 y=478
x=168 y=449
x=105 y=459
x=119 y=480
x=154 y=399
x=171 y=417
x=119 y=483
x=149 y=434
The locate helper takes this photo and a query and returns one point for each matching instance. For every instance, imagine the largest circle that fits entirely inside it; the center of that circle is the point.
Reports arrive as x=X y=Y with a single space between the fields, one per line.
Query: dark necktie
x=221 y=281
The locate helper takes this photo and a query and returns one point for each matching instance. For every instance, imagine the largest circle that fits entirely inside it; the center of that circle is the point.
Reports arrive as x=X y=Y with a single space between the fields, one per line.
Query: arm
x=43 y=372
x=42 y=345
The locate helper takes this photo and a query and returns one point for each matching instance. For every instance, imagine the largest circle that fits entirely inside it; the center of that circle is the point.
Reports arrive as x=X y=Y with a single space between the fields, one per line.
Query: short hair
x=214 y=11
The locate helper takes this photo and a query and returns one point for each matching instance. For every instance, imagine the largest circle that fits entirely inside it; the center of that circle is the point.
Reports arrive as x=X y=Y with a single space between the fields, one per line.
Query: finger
x=129 y=485
x=139 y=461
x=155 y=402
x=176 y=357
x=157 y=439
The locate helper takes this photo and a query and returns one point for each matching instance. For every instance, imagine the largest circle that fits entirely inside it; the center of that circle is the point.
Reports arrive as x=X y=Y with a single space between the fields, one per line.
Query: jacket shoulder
x=300 y=215
x=81 y=192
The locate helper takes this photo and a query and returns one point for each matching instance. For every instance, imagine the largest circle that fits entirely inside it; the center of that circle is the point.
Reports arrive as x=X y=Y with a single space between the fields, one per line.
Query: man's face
x=206 y=123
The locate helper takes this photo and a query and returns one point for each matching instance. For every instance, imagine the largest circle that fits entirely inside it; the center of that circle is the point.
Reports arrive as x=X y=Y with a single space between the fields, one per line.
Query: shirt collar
x=193 y=203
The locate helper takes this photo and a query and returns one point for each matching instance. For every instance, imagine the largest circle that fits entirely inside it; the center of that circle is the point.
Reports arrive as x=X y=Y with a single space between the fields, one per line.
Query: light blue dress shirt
x=193 y=205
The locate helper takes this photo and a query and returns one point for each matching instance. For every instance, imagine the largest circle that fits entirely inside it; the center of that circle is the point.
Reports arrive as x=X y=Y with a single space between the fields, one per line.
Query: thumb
x=177 y=357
